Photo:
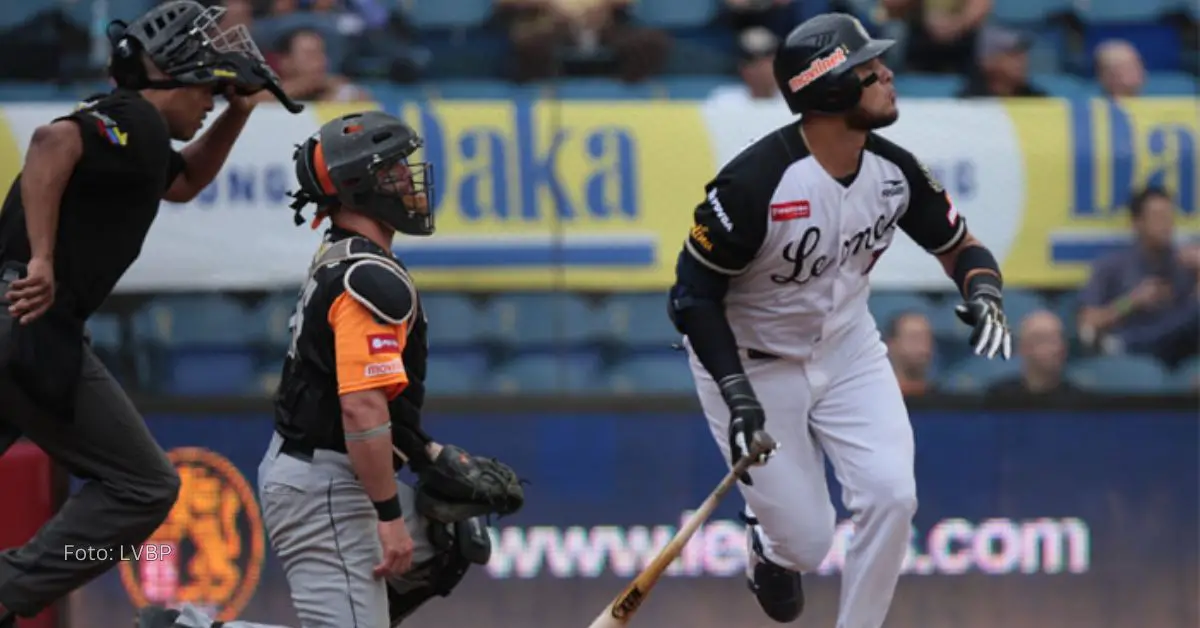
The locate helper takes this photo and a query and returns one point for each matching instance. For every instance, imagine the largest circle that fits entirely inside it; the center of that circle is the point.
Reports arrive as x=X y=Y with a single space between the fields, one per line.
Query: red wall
x=27 y=485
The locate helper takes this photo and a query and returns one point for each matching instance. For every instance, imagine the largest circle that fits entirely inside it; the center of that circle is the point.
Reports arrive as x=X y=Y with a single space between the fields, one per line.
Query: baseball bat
x=621 y=610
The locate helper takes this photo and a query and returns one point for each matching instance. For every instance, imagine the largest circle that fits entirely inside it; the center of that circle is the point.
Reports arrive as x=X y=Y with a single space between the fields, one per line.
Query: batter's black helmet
x=360 y=161
x=814 y=65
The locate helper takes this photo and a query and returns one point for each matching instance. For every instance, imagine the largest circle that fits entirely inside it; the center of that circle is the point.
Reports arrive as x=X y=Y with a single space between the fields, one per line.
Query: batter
x=771 y=294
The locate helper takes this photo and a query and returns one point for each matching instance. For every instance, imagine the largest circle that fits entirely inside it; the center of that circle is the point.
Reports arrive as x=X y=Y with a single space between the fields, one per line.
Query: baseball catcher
x=359 y=547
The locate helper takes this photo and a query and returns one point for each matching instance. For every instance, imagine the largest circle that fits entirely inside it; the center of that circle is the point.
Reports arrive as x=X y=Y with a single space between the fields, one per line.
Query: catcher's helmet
x=360 y=161
x=814 y=65
x=185 y=41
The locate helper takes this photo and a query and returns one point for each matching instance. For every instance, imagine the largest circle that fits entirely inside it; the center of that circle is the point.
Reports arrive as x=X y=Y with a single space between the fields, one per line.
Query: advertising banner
x=537 y=194
x=1025 y=519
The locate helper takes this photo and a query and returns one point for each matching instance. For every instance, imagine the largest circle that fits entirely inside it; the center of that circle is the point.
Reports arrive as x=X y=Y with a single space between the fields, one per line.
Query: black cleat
x=779 y=590
x=155 y=617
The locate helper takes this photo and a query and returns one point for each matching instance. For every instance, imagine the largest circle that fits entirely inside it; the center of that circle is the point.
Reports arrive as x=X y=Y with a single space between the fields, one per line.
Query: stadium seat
x=1186 y=376
x=447 y=13
x=105 y=330
x=1021 y=303
x=1171 y=84
x=470 y=89
x=270 y=321
x=927 y=85
x=639 y=320
x=675 y=14
x=604 y=89
x=976 y=374
x=885 y=306
x=1064 y=85
x=655 y=374
x=548 y=374
x=1018 y=12
x=1129 y=374
x=1123 y=10
x=200 y=320
x=454 y=320
x=541 y=320
x=693 y=87
x=212 y=371
x=456 y=374
x=14 y=14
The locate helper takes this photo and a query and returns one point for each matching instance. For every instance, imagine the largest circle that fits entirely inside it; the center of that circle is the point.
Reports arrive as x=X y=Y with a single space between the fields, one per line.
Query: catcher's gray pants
x=322 y=526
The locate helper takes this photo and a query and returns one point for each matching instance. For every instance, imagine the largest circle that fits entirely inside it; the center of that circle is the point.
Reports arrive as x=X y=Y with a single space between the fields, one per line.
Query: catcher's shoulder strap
x=376 y=281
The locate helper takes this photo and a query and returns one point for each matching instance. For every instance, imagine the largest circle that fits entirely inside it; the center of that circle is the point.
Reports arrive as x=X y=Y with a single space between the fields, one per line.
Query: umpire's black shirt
x=109 y=203
x=107 y=208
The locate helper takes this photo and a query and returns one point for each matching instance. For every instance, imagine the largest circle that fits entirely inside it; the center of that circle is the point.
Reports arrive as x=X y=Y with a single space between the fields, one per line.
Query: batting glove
x=990 y=334
x=746 y=418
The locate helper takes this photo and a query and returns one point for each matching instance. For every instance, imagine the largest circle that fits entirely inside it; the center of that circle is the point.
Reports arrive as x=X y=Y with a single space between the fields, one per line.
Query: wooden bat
x=622 y=609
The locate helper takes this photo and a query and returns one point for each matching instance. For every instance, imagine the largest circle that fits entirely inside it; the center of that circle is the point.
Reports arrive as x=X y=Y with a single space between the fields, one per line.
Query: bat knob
x=762 y=443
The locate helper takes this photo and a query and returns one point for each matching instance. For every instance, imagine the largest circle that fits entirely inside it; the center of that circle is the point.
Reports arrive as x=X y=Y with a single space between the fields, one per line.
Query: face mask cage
x=410 y=182
x=235 y=39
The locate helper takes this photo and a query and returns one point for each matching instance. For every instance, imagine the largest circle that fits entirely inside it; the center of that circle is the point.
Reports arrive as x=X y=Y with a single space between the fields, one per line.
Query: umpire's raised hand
x=746 y=418
x=990 y=334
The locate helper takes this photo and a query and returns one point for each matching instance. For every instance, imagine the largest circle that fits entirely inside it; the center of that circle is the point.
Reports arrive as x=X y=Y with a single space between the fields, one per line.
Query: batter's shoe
x=156 y=617
x=778 y=590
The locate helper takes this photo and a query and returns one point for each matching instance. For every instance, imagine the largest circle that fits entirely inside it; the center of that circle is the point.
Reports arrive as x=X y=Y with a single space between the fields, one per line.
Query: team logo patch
x=790 y=210
x=209 y=552
x=892 y=187
x=382 y=343
x=952 y=213
x=381 y=369
x=109 y=130
x=817 y=69
x=700 y=237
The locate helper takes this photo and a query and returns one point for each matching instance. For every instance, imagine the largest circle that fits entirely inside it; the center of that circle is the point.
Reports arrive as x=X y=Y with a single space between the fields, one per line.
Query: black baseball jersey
x=109 y=203
x=798 y=245
x=358 y=326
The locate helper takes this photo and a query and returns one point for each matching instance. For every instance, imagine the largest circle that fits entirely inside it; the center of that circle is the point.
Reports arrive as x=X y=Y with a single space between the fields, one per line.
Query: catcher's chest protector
x=307 y=406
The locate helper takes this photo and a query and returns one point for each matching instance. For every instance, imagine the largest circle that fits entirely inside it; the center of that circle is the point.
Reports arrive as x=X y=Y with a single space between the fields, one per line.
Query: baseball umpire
x=73 y=222
x=359 y=547
x=771 y=293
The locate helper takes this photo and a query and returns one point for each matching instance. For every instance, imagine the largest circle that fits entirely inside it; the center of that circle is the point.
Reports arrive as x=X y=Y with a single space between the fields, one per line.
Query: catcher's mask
x=361 y=161
x=185 y=41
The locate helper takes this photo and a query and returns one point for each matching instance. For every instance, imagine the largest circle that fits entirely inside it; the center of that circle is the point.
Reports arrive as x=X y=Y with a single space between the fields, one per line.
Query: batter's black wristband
x=974 y=284
x=389 y=509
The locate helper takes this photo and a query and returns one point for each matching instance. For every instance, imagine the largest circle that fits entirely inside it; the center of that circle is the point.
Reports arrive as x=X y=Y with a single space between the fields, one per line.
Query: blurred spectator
x=303 y=69
x=1142 y=299
x=756 y=51
x=777 y=16
x=1003 y=70
x=237 y=13
x=541 y=30
x=1043 y=352
x=1119 y=68
x=941 y=33
x=910 y=348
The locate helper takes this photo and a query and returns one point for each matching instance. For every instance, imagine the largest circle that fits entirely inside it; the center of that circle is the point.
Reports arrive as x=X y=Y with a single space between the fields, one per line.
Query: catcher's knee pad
x=458 y=545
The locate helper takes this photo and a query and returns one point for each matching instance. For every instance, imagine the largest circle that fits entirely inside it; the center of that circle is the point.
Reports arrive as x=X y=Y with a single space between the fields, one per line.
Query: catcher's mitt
x=458 y=486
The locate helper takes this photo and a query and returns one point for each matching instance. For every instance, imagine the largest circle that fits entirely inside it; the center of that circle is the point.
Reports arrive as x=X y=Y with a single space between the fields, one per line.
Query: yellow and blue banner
x=537 y=194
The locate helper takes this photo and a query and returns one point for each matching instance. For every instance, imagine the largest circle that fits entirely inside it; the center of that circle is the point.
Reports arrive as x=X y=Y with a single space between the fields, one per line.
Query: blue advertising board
x=1025 y=520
